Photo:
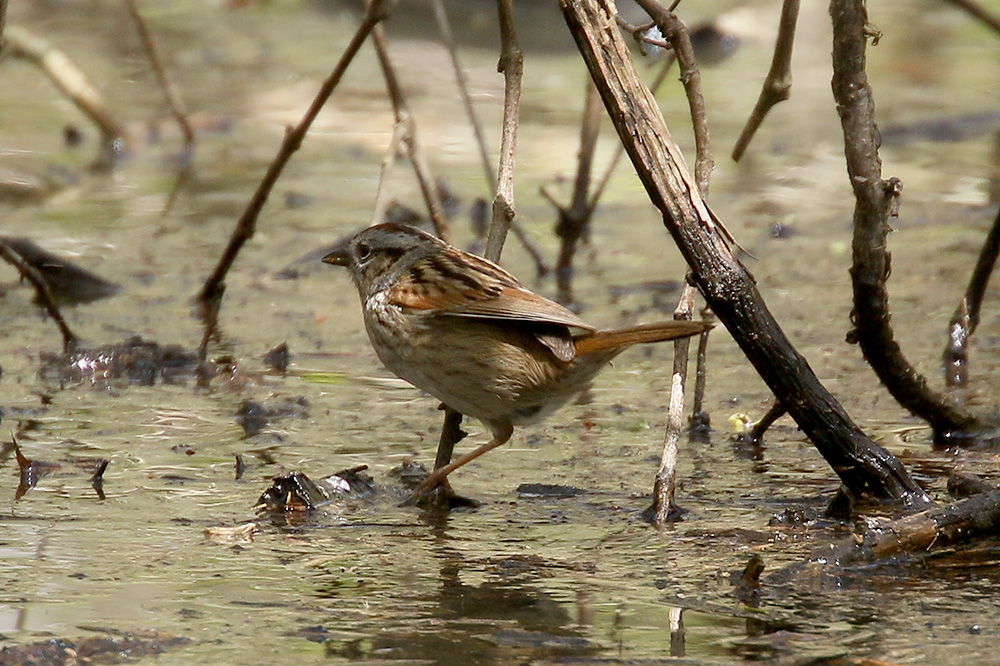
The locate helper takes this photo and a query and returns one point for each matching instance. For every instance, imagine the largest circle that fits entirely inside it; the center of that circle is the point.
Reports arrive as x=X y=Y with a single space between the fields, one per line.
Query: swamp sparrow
x=464 y=330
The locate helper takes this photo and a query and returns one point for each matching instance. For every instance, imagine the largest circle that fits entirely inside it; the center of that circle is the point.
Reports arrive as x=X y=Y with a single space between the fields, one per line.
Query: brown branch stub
x=246 y=226
x=966 y=318
x=866 y=468
x=778 y=82
x=29 y=273
x=512 y=65
x=876 y=201
x=169 y=92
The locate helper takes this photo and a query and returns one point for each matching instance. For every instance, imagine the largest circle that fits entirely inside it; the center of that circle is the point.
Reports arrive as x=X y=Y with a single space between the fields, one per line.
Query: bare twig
x=978 y=11
x=574 y=219
x=876 y=201
x=173 y=99
x=512 y=65
x=214 y=286
x=966 y=318
x=778 y=83
x=404 y=119
x=676 y=33
x=32 y=275
x=444 y=25
x=664 y=509
x=388 y=162
x=699 y=417
x=72 y=83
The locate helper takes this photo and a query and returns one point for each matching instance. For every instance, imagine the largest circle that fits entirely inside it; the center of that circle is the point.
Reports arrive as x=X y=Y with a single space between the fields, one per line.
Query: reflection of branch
x=778 y=84
x=44 y=294
x=173 y=99
x=404 y=118
x=247 y=224
x=966 y=318
x=73 y=84
x=512 y=65
x=978 y=11
x=876 y=201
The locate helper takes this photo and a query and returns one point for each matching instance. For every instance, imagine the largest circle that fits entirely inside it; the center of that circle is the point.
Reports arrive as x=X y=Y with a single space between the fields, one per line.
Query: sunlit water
x=520 y=579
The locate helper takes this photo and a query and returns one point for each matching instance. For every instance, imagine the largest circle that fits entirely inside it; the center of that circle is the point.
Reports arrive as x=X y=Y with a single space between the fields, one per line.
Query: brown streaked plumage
x=466 y=331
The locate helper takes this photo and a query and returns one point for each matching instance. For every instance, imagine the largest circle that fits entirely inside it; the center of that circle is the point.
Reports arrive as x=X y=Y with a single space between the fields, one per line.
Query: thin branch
x=388 y=162
x=778 y=83
x=574 y=220
x=173 y=99
x=676 y=33
x=966 y=318
x=699 y=417
x=876 y=202
x=72 y=83
x=404 y=118
x=979 y=12
x=444 y=25
x=512 y=66
x=214 y=286
x=32 y=275
x=664 y=509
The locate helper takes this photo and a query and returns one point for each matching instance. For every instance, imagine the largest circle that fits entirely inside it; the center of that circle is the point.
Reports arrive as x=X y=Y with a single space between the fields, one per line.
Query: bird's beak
x=338 y=257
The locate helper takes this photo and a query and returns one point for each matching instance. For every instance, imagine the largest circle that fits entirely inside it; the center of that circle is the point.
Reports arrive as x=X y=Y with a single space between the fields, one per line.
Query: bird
x=466 y=331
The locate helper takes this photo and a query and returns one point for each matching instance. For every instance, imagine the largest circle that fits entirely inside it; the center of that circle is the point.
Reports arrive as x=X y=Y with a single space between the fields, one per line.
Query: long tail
x=625 y=337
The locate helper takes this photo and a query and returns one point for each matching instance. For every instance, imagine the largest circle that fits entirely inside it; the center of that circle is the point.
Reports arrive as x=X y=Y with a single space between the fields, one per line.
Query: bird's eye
x=364 y=252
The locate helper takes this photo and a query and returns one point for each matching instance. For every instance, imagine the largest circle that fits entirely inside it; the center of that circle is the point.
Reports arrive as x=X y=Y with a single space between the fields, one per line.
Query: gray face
x=372 y=254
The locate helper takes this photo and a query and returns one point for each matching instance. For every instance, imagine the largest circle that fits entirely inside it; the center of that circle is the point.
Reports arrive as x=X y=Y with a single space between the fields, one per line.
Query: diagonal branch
x=778 y=83
x=865 y=468
x=214 y=286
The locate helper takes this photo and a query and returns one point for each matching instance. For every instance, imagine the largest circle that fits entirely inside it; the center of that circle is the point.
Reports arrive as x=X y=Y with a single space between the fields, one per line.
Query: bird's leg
x=501 y=433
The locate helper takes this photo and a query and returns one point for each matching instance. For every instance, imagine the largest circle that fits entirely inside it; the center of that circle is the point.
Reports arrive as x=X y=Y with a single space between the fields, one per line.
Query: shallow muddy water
x=523 y=578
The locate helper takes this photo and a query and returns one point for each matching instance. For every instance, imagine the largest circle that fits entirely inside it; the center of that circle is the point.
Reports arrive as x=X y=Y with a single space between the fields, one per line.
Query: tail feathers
x=588 y=343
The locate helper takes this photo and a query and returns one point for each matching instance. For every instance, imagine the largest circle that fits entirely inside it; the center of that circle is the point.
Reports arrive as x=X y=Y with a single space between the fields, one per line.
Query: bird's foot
x=438 y=495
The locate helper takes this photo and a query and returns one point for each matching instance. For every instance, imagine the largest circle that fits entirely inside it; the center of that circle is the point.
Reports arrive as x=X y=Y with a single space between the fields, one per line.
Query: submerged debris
x=109 y=649
x=297 y=492
x=135 y=361
x=253 y=416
